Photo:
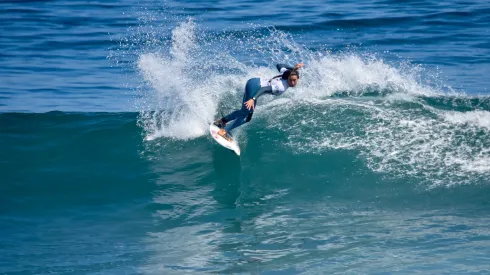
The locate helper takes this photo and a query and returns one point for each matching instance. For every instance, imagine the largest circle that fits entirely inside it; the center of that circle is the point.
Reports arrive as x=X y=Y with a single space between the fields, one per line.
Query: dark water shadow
x=227 y=171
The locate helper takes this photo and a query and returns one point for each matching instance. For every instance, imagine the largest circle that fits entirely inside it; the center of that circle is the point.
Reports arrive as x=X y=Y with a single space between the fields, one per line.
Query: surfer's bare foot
x=224 y=134
x=219 y=123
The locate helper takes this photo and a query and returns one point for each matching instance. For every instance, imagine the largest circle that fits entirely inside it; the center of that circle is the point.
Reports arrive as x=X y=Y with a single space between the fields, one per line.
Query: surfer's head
x=293 y=78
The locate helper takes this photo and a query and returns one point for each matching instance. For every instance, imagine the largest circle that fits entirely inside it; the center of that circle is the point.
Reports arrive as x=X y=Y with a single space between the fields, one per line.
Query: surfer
x=254 y=88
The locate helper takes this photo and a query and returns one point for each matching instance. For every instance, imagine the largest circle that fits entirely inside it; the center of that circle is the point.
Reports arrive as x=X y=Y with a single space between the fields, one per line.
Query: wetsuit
x=254 y=88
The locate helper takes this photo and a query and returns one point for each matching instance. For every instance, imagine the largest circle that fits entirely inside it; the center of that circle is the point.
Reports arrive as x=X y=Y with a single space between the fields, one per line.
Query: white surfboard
x=232 y=145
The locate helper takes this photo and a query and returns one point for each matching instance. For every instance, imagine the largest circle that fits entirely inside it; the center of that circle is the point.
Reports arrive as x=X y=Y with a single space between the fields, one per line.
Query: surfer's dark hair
x=293 y=72
x=287 y=74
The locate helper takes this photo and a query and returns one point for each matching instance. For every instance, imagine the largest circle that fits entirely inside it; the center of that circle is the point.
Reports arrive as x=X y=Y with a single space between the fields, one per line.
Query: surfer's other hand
x=250 y=104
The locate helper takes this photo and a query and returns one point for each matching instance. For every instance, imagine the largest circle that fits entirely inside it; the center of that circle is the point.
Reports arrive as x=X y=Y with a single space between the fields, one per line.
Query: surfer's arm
x=263 y=90
x=283 y=67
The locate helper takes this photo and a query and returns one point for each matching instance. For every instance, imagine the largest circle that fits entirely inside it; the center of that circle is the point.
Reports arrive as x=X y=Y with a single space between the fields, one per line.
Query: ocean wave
x=398 y=118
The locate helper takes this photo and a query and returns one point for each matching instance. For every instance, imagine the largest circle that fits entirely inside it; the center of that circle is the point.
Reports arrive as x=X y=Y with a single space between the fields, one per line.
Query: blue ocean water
x=378 y=162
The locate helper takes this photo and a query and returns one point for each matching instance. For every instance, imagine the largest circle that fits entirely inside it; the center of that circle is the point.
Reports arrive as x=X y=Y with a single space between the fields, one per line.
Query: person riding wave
x=254 y=88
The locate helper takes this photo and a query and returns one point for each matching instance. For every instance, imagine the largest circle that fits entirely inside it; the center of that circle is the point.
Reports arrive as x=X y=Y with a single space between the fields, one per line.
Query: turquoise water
x=377 y=163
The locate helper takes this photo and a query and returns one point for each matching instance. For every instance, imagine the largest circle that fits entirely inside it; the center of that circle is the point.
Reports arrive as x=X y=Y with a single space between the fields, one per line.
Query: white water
x=381 y=114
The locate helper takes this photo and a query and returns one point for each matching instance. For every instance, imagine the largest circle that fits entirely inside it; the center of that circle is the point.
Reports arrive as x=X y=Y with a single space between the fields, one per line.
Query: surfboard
x=232 y=145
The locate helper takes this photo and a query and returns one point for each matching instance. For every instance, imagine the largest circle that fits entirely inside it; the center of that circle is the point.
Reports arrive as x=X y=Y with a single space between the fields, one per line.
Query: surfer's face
x=293 y=80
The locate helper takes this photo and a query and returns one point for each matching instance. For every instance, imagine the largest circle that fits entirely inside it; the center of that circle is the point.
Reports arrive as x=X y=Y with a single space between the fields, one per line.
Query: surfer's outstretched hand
x=250 y=104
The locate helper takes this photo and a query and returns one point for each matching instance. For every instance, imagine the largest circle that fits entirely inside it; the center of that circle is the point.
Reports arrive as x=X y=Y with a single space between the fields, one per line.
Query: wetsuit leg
x=243 y=115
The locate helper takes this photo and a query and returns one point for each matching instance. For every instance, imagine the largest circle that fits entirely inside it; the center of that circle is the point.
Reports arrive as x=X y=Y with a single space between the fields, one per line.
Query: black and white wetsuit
x=255 y=88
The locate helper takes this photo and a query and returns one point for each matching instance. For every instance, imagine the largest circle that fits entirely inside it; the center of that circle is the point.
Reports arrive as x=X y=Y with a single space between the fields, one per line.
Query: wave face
x=89 y=185
x=389 y=116
x=377 y=162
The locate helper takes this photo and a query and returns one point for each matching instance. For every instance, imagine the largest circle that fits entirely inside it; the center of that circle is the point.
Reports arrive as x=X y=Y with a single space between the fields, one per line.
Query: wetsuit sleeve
x=262 y=91
x=283 y=67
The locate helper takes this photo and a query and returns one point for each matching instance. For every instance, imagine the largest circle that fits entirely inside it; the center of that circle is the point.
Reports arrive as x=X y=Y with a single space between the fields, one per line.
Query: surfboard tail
x=232 y=145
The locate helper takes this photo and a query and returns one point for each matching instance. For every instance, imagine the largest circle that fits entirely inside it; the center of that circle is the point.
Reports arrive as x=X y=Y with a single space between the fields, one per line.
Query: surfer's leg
x=243 y=118
x=232 y=121
x=243 y=115
x=231 y=116
x=252 y=86
x=237 y=122
x=249 y=117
